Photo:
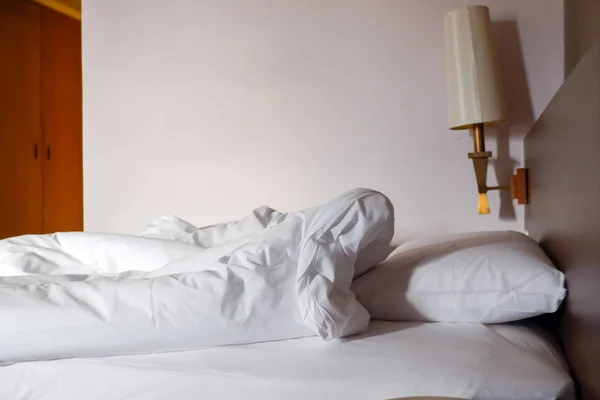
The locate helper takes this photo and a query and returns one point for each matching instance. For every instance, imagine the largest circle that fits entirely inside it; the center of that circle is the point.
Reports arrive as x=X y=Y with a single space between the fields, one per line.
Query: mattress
x=394 y=359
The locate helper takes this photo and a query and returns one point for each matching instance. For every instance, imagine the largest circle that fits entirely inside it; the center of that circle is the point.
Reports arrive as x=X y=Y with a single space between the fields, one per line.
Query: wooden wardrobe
x=41 y=171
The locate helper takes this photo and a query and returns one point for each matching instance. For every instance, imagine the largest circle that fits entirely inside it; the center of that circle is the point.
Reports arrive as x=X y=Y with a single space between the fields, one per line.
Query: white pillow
x=484 y=277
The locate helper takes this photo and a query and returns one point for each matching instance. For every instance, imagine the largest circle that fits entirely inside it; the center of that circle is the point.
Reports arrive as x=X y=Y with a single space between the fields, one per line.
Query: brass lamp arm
x=480 y=157
x=498 y=188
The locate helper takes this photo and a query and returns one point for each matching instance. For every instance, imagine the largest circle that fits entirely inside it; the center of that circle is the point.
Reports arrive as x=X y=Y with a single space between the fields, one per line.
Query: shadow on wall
x=582 y=27
x=519 y=107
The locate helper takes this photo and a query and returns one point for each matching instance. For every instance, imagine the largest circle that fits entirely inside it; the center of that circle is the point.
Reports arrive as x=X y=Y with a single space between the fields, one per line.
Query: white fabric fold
x=269 y=276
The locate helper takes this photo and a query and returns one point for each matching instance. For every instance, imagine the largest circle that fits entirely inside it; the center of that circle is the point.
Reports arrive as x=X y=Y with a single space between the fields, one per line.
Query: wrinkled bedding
x=269 y=276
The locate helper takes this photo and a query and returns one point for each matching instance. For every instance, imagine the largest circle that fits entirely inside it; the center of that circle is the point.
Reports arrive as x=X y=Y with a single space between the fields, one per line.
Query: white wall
x=206 y=109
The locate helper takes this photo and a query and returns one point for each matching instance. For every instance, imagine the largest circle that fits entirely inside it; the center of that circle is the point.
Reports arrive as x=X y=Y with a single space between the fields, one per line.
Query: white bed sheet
x=394 y=359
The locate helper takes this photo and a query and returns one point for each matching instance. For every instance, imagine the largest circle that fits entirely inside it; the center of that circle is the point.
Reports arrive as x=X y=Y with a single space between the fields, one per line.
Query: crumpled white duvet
x=269 y=276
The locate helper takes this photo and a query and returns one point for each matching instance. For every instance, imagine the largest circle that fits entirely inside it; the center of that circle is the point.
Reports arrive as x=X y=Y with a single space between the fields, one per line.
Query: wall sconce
x=475 y=90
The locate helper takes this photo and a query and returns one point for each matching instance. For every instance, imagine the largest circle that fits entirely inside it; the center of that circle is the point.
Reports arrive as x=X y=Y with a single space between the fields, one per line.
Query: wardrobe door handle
x=48 y=153
x=35 y=152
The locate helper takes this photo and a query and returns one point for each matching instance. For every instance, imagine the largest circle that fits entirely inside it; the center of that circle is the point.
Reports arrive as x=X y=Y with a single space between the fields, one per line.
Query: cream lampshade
x=474 y=85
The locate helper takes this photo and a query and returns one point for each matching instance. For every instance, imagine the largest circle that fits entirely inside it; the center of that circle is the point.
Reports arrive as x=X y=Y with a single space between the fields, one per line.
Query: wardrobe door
x=20 y=133
x=61 y=122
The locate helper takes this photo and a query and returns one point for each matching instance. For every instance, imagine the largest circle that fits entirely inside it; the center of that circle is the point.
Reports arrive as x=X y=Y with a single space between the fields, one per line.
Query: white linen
x=270 y=276
x=171 y=227
x=394 y=359
x=485 y=277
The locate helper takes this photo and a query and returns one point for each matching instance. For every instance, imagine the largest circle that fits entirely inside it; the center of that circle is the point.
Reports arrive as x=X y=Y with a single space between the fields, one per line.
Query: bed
x=240 y=310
